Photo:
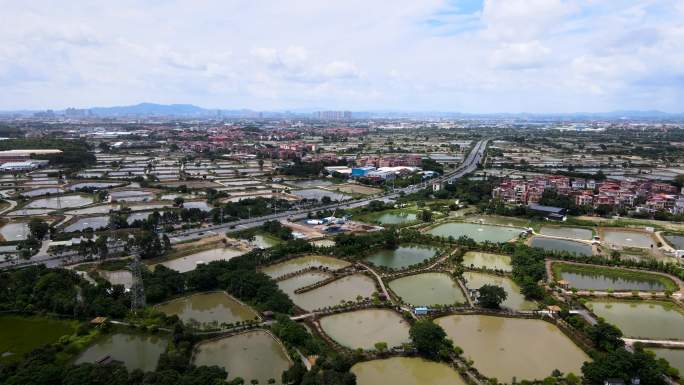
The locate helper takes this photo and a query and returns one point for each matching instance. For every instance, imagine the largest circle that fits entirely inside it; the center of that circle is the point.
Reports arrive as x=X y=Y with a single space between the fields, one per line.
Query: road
x=469 y=165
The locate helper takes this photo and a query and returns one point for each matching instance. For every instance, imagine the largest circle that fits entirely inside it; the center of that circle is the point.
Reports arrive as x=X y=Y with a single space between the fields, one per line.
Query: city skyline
x=492 y=56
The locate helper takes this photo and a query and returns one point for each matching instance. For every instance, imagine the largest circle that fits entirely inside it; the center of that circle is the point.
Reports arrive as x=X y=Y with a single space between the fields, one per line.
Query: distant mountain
x=193 y=111
x=152 y=109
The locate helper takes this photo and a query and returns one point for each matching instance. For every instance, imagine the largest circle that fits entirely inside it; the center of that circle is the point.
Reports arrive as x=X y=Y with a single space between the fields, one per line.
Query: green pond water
x=649 y=320
x=514 y=301
x=402 y=256
x=264 y=242
x=207 y=308
x=428 y=289
x=405 y=371
x=396 y=218
x=627 y=238
x=580 y=278
x=674 y=356
x=509 y=347
x=344 y=289
x=481 y=260
x=20 y=335
x=300 y=263
x=558 y=245
x=136 y=351
x=478 y=232
x=252 y=355
x=567 y=232
x=190 y=262
x=363 y=328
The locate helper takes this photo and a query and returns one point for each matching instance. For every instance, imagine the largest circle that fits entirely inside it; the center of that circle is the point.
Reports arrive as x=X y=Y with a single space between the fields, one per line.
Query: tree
x=491 y=296
x=38 y=228
x=381 y=346
x=178 y=201
x=605 y=336
x=624 y=365
x=430 y=340
x=426 y=215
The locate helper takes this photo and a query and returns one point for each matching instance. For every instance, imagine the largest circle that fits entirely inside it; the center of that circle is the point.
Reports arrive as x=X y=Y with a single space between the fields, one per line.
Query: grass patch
x=20 y=335
x=373 y=217
x=114 y=265
x=559 y=268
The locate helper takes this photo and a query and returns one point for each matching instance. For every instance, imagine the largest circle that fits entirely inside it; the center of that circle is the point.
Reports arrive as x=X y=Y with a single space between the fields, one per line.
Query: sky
x=472 y=56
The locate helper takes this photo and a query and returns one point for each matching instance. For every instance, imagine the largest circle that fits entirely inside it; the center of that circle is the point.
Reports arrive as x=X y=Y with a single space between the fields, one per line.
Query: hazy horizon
x=461 y=56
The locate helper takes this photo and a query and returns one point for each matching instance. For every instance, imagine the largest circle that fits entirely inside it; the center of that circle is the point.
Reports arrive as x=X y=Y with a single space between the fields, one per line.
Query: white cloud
x=508 y=55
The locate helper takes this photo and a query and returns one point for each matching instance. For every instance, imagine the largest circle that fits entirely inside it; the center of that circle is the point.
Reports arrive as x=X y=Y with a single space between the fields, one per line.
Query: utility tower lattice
x=137 y=289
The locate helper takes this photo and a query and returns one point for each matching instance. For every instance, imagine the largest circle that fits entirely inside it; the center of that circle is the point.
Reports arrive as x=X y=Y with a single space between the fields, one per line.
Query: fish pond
x=190 y=262
x=511 y=347
x=20 y=335
x=288 y=286
x=89 y=222
x=254 y=355
x=403 y=256
x=396 y=218
x=427 y=289
x=677 y=242
x=674 y=356
x=62 y=202
x=514 y=301
x=480 y=260
x=15 y=231
x=342 y=290
x=567 y=232
x=363 y=328
x=561 y=245
x=586 y=277
x=136 y=351
x=118 y=277
x=628 y=238
x=208 y=308
x=477 y=232
x=642 y=319
x=405 y=371
x=299 y=263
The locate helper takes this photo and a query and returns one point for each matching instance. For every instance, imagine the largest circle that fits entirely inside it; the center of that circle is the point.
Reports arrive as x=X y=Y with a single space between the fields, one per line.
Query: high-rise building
x=333 y=115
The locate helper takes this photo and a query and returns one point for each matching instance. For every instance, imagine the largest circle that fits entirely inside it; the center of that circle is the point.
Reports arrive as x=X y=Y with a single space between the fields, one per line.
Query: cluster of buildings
x=14 y=161
x=412 y=160
x=645 y=196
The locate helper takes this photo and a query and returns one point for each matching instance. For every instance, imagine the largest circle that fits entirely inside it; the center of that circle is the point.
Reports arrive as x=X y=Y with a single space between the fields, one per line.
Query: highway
x=470 y=164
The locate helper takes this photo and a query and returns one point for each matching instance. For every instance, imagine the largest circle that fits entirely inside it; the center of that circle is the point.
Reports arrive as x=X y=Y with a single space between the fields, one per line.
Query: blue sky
x=449 y=55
